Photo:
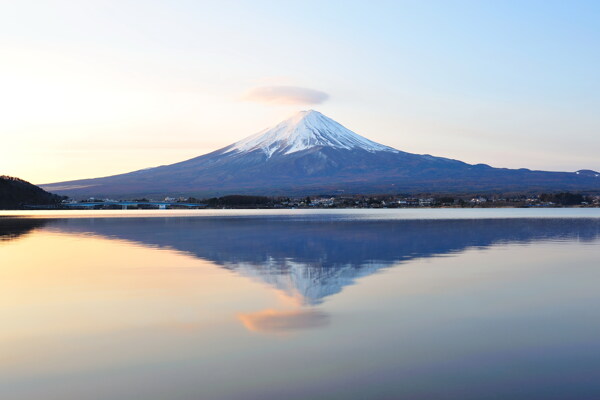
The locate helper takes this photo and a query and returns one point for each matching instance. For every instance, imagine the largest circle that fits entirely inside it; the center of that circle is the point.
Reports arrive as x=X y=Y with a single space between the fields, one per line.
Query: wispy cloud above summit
x=285 y=95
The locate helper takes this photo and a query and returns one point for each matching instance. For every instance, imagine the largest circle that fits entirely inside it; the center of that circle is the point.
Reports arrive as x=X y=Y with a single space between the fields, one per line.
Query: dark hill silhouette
x=15 y=193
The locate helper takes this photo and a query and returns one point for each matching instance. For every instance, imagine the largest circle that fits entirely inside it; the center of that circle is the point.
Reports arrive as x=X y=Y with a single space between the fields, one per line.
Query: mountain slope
x=310 y=153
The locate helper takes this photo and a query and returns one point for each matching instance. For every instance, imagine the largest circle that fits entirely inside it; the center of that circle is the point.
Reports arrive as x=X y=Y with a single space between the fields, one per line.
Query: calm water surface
x=387 y=304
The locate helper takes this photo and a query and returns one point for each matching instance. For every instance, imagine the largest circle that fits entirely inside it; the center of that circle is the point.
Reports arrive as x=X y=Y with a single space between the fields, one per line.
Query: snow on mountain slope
x=303 y=131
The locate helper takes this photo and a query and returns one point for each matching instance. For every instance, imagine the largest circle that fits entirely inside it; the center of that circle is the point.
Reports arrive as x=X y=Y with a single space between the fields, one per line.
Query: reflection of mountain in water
x=13 y=228
x=314 y=258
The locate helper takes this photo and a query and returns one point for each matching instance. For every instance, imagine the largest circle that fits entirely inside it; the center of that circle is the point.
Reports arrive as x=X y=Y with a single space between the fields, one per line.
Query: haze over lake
x=349 y=304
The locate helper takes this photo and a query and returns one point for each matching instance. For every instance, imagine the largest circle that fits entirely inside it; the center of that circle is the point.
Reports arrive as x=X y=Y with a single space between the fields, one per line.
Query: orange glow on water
x=280 y=322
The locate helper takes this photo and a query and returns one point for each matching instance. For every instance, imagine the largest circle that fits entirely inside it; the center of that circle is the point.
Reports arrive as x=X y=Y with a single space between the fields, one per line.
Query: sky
x=95 y=88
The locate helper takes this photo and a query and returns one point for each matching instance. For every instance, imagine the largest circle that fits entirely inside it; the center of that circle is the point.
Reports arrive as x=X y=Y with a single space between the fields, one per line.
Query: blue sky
x=101 y=87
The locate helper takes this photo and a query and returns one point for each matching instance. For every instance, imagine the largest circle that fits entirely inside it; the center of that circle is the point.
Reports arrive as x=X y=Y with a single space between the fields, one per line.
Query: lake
x=298 y=304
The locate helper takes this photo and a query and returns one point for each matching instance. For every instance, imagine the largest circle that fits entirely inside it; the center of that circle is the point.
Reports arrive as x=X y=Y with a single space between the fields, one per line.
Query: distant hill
x=15 y=193
x=310 y=153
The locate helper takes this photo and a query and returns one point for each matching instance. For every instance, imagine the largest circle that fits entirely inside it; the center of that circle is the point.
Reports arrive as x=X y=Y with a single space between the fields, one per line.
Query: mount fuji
x=310 y=153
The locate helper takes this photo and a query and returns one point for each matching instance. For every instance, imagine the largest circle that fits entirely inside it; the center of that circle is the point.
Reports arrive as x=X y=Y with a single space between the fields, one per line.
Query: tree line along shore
x=16 y=193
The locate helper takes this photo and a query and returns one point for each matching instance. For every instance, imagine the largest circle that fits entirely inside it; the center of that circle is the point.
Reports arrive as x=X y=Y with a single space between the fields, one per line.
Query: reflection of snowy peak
x=318 y=255
x=309 y=283
x=303 y=131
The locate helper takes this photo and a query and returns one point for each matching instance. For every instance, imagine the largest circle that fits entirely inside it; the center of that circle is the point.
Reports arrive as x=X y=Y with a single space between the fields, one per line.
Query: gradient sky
x=93 y=88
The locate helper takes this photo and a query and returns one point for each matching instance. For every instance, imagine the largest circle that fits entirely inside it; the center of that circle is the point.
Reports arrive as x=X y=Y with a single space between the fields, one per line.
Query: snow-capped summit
x=304 y=130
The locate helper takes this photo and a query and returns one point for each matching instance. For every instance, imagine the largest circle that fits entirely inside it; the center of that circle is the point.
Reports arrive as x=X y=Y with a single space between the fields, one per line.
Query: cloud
x=285 y=95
